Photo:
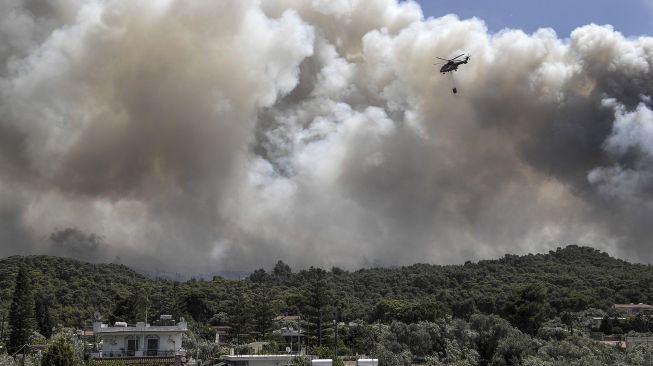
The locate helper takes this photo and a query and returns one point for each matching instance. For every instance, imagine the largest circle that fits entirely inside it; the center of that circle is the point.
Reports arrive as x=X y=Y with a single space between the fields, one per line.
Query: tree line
x=516 y=305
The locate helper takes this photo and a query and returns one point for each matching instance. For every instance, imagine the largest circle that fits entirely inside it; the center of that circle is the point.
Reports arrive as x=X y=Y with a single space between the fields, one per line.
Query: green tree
x=43 y=317
x=326 y=353
x=240 y=316
x=130 y=307
x=530 y=309
x=387 y=310
x=281 y=271
x=606 y=325
x=263 y=311
x=300 y=361
x=318 y=299
x=21 y=313
x=195 y=304
x=259 y=276
x=60 y=353
x=465 y=309
x=406 y=311
x=568 y=319
x=490 y=330
x=512 y=349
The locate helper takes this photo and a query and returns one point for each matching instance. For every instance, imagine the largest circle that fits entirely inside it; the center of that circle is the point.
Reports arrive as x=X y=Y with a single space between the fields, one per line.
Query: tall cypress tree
x=43 y=317
x=21 y=313
x=317 y=303
x=263 y=310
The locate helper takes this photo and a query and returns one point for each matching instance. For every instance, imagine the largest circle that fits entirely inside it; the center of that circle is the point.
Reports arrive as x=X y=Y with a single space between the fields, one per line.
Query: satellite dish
x=97 y=316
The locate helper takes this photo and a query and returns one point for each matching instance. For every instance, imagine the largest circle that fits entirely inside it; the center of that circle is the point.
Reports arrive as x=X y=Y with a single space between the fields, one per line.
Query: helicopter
x=452 y=64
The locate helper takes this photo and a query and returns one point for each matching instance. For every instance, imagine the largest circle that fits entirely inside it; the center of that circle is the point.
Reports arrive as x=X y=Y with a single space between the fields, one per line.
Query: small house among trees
x=158 y=342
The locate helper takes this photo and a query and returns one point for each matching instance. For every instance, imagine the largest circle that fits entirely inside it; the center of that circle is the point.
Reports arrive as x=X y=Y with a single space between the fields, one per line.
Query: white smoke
x=227 y=135
x=629 y=181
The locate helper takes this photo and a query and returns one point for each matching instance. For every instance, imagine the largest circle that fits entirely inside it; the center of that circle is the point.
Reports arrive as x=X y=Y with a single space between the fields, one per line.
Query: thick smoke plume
x=224 y=135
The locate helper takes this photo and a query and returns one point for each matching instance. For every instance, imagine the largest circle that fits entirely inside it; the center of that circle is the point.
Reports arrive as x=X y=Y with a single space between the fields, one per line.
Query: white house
x=161 y=340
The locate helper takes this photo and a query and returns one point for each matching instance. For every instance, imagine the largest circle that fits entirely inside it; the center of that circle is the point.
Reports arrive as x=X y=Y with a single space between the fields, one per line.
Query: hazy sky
x=201 y=136
x=630 y=17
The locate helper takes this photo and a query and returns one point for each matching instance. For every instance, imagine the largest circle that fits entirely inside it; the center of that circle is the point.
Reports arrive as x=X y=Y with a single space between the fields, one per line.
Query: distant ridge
x=182 y=277
x=574 y=278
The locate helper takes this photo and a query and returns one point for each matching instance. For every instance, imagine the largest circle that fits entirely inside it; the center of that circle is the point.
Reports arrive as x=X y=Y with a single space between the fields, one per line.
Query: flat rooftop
x=99 y=328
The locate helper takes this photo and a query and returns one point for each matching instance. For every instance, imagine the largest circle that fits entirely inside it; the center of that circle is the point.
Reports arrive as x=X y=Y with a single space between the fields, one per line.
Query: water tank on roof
x=367 y=362
x=322 y=362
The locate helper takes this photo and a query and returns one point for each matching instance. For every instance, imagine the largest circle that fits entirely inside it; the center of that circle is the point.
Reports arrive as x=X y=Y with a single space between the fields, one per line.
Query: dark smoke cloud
x=226 y=135
x=76 y=243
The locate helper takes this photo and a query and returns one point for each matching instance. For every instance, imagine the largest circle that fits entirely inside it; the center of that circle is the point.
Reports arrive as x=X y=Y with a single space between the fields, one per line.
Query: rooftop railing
x=135 y=353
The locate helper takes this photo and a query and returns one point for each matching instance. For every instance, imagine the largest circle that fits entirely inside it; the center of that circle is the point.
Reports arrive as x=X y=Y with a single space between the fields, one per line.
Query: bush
x=301 y=361
x=60 y=353
x=324 y=353
x=270 y=348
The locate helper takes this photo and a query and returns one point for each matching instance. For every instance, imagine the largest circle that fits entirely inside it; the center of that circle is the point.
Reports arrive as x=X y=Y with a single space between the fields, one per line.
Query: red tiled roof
x=629 y=306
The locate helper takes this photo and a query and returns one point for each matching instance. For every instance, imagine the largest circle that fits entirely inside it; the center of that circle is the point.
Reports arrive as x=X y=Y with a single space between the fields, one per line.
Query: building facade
x=123 y=341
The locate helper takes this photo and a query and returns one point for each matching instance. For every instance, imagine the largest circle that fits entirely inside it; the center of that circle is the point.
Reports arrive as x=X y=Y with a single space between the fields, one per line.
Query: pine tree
x=281 y=272
x=240 y=317
x=318 y=300
x=263 y=311
x=43 y=317
x=21 y=313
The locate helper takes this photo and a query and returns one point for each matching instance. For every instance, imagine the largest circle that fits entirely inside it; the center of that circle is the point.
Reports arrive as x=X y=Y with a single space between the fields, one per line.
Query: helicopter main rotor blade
x=443 y=59
x=462 y=54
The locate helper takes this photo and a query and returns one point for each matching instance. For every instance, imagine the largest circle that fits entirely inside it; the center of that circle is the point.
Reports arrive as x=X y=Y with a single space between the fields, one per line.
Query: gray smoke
x=76 y=243
x=226 y=135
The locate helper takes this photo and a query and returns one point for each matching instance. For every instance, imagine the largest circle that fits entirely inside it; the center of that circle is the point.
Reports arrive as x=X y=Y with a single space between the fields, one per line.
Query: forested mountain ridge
x=573 y=278
x=69 y=287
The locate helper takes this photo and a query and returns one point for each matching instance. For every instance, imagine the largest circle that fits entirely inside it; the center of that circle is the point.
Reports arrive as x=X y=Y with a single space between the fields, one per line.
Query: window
x=152 y=346
x=132 y=347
